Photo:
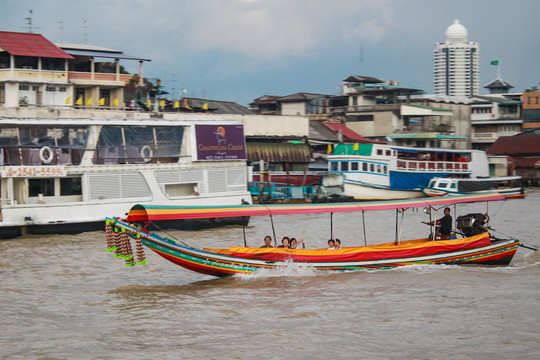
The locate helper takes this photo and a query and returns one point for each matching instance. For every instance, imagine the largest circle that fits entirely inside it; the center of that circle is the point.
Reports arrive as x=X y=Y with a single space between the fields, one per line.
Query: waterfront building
x=531 y=109
x=36 y=72
x=456 y=66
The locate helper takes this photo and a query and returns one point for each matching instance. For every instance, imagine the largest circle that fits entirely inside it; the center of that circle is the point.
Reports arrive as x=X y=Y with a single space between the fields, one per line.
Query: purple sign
x=220 y=142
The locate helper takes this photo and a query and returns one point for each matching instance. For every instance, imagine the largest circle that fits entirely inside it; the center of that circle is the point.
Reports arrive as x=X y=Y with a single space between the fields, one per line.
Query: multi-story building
x=531 y=109
x=36 y=72
x=456 y=67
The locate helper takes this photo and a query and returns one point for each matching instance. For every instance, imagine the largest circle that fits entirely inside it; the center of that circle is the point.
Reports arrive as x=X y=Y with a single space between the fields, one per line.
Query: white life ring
x=146 y=153
x=46 y=154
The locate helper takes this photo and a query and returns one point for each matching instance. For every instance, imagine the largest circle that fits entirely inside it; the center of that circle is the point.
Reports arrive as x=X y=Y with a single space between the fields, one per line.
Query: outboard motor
x=472 y=224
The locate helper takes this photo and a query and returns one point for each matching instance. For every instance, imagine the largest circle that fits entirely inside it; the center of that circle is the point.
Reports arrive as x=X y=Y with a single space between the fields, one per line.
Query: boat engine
x=472 y=224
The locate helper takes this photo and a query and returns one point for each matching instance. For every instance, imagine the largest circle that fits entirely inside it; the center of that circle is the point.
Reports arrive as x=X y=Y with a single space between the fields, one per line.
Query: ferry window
x=385 y=169
x=40 y=186
x=333 y=166
x=453 y=186
x=70 y=186
x=344 y=166
x=379 y=152
x=443 y=185
x=372 y=167
x=379 y=168
x=388 y=153
x=365 y=166
x=354 y=166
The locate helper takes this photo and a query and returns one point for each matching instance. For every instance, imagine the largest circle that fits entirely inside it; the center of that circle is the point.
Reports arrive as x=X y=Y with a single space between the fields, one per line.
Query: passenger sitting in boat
x=294 y=243
x=338 y=244
x=444 y=228
x=285 y=243
x=331 y=244
x=267 y=242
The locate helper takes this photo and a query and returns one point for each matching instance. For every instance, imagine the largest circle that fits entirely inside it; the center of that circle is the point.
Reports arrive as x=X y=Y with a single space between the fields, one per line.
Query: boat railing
x=433 y=166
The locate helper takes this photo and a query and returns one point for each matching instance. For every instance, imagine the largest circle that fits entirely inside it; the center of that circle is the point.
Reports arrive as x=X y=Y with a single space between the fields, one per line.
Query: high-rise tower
x=456 y=67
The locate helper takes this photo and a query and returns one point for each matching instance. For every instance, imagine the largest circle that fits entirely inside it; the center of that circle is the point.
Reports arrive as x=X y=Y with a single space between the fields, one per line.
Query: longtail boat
x=476 y=246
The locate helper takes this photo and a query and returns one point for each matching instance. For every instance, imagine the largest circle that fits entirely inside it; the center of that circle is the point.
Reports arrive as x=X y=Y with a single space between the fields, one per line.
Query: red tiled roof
x=516 y=145
x=27 y=44
x=349 y=134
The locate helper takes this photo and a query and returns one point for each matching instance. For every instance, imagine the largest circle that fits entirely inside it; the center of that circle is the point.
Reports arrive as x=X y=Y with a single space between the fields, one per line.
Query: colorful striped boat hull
x=488 y=252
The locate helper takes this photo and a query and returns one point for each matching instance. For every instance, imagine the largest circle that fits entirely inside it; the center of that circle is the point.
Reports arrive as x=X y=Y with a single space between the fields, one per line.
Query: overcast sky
x=238 y=50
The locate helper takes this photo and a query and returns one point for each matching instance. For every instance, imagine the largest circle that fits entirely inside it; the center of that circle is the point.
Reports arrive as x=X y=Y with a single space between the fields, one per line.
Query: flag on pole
x=115 y=102
x=89 y=101
x=177 y=105
x=162 y=103
x=68 y=100
x=101 y=101
x=355 y=147
x=495 y=62
x=329 y=149
x=79 y=101
x=205 y=106
x=148 y=103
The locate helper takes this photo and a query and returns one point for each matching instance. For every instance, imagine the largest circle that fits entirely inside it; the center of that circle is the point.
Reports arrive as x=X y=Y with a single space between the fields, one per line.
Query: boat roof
x=156 y=212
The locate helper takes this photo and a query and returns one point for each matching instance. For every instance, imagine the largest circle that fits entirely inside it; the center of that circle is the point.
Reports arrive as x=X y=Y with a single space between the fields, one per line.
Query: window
x=70 y=186
x=344 y=166
x=41 y=186
x=379 y=169
x=372 y=167
x=379 y=152
x=354 y=166
x=364 y=167
x=50 y=88
x=24 y=87
x=334 y=166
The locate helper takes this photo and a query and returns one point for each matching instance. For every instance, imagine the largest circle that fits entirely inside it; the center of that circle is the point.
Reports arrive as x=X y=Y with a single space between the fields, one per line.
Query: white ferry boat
x=455 y=186
x=61 y=171
x=379 y=171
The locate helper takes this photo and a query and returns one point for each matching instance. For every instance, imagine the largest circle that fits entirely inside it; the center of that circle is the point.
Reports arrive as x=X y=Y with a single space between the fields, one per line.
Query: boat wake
x=290 y=269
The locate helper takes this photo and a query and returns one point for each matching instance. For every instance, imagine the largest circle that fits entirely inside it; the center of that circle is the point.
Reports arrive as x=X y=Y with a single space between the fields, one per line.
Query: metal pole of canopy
x=455 y=218
x=397 y=216
x=273 y=230
x=244 y=233
x=331 y=225
x=432 y=235
x=364 y=226
x=401 y=225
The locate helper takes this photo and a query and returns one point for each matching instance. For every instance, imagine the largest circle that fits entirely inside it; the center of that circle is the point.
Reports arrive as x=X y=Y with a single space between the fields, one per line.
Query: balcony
x=89 y=78
x=33 y=75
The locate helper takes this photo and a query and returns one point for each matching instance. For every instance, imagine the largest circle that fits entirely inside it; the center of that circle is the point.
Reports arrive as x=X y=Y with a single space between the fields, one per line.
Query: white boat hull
x=362 y=191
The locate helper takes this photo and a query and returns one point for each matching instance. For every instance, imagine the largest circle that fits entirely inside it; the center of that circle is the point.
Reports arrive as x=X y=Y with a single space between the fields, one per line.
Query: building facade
x=456 y=65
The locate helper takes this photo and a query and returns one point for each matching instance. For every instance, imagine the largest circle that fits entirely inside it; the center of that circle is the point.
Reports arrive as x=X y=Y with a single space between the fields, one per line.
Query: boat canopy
x=155 y=212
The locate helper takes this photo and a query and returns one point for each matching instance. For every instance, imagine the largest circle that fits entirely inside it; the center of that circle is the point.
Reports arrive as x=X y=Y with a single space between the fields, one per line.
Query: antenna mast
x=85 y=32
x=29 y=21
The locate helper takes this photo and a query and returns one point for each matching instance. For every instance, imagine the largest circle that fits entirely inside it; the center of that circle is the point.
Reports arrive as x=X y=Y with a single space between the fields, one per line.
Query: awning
x=429 y=135
x=157 y=212
x=420 y=110
x=278 y=152
x=103 y=54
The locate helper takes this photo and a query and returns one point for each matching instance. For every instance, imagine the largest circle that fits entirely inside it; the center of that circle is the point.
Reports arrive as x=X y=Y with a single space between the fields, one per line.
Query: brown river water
x=65 y=297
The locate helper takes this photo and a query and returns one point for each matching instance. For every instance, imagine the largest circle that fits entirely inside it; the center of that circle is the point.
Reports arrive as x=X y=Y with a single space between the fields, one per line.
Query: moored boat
x=377 y=171
x=452 y=186
x=61 y=174
x=476 y=247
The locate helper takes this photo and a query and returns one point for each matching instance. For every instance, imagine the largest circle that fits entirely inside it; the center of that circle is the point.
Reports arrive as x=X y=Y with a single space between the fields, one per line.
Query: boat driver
x=444 y=225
